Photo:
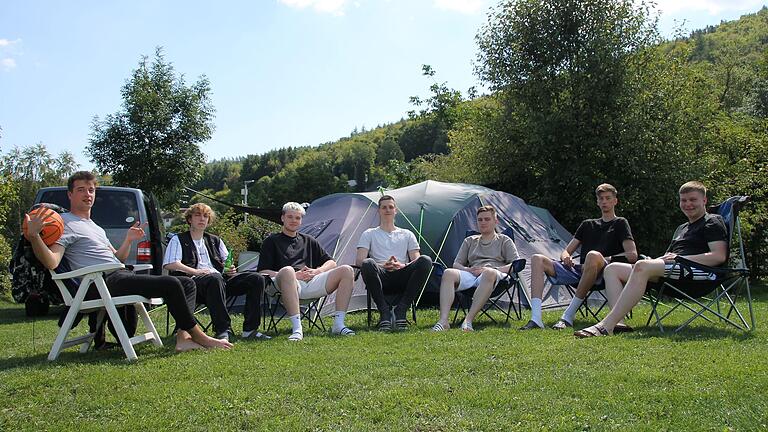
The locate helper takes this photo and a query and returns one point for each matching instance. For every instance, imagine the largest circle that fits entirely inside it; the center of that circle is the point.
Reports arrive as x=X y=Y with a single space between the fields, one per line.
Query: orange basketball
x=53 y=225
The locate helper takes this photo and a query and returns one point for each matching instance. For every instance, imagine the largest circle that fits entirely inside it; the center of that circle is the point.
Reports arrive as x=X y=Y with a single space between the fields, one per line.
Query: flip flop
x=562 y=324
x=622 y=328
x=345 y=331
x=587 y=333
x=439 y=327
x=385 y=325
x=401 y=324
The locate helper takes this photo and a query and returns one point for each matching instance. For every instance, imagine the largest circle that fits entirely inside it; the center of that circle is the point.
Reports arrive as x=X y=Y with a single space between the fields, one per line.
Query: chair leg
x=142 y=311
x=87 y=343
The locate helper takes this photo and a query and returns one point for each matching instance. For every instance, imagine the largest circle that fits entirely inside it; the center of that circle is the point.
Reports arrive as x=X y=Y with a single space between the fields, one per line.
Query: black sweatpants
x=405 y=283
x=213 y=289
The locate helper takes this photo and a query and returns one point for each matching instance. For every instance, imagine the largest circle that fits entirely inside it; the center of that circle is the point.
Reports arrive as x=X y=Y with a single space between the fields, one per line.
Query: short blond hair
x=693 y=186
x=200 y=208
x=486 y=208
x=293 y=206
x=605 y=187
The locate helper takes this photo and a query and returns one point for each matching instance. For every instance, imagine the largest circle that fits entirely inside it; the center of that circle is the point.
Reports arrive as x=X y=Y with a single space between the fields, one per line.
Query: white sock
x=338 y=320
x=570 y=313
x=296 y=323
x=536 y=311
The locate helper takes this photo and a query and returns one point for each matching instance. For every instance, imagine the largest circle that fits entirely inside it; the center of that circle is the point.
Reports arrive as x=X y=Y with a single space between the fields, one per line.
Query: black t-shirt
x=280 y=250
x=604 y=237
x=693 y=238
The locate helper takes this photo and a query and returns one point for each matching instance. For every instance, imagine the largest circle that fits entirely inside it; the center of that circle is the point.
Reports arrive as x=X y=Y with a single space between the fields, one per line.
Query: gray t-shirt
x=474 y=252
x=381 y=244
x=85 y=243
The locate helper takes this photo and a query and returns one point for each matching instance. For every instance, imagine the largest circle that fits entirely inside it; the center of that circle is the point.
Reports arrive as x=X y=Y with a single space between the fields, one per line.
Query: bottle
x=228 y=262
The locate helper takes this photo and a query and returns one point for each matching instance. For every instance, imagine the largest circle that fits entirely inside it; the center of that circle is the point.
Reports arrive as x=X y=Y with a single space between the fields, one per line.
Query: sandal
x=594 y=331
x=562 y=324
x=345 y=331
x=467 y=327
x=439 y=327
x=401 y=324
x=385 y=325
x=622 y=328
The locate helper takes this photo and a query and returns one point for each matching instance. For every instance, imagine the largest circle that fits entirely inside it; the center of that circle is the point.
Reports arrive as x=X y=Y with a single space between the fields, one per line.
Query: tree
x=153 y=142
x=586 y=97
x=26 y=170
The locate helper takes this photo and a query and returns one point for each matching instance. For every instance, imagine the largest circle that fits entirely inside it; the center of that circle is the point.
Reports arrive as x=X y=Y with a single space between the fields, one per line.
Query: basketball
x=53 y=226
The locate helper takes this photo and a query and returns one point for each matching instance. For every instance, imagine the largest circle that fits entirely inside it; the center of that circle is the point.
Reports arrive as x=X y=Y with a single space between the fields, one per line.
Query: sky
x=282 y=72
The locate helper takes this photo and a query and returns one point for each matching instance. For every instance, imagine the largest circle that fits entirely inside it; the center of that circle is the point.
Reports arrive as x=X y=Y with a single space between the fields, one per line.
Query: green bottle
x=228 y=262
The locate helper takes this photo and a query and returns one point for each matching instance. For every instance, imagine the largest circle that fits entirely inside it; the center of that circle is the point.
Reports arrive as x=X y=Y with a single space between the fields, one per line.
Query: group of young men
x=390 y=263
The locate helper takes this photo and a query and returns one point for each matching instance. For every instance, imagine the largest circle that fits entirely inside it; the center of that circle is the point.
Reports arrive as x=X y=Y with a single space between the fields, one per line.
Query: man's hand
x=230 y=271
x=35 y=224
x=203 y=271
x=136 y=232
x=306 y=274
x=393 y=264
x=566 y=259
x=668 y=257
x=476 y=271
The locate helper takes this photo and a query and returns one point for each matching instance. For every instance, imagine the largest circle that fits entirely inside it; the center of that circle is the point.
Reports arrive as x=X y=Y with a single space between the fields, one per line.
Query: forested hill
x=396 y=154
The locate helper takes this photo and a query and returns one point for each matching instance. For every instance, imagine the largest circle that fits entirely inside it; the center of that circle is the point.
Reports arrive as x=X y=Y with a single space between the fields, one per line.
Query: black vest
x=189 y=252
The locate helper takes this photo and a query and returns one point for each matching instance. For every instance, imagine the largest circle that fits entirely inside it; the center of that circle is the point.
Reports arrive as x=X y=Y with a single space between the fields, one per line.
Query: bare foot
x=183 y=345
x=208 y=342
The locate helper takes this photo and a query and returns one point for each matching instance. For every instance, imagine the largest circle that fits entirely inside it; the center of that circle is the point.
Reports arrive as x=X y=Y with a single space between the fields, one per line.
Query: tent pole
x=350 y=238
x=437 y=258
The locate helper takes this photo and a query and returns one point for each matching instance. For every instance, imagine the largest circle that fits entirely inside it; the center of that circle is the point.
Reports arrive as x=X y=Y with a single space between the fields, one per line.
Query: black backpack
x=31 y=282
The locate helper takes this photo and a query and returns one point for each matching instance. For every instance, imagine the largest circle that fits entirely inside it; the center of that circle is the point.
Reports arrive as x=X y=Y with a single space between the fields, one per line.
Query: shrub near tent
x=53 y=225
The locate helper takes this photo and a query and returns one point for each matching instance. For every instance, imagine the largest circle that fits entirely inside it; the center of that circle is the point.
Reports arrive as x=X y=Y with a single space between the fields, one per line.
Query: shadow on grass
x=71 y=356
x=692 y=333
x=15 y=315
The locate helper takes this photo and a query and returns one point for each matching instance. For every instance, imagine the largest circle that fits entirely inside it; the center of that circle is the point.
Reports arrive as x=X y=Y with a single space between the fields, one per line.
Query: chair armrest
x=693 y=264
x=86 y=270
x=142 y=267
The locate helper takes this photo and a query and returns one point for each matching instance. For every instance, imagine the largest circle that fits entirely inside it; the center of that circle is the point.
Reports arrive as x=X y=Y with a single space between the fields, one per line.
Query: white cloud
x=461 y=6
x=8 y=63
x=7 y=43
x=712 y=7
x=333 y=7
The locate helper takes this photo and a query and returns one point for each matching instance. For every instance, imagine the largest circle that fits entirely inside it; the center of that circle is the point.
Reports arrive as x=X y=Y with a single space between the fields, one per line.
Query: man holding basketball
x=84 y=244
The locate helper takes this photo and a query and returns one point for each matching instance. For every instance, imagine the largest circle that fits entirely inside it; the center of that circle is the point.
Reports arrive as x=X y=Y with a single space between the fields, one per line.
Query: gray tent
x=440 y=214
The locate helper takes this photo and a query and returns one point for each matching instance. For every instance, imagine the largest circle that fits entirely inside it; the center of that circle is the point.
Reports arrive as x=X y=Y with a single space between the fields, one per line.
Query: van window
x=112 y=209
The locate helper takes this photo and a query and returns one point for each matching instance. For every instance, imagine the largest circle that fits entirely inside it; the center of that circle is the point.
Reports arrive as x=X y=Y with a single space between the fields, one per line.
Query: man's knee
x=451 y=275
x=423 y=262
x=538 y=261
x=488 y=274
x=594 y=260
x=345 y=272
x=369 y=266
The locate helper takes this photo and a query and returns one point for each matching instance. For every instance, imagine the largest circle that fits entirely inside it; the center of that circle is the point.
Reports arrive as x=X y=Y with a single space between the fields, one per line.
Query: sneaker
x=226 y=335
x=530 y=325
x=296 y=336
x=255 y=335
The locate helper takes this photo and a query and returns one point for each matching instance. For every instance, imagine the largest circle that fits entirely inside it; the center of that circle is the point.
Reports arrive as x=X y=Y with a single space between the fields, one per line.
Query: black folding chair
x=506 y=288
x=703 y=298
x=309 y=311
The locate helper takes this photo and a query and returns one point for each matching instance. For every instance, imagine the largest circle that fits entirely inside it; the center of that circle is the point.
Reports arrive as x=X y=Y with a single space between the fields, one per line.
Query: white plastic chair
x=104 y=304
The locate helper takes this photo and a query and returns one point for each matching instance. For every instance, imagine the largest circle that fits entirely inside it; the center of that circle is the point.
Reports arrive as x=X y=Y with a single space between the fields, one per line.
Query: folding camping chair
x=105 y=304
x=308 y=309
x=691 y=293
x=507 y=287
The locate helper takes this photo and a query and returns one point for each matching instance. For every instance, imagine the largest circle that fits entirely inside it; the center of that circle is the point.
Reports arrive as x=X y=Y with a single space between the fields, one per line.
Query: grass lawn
x=709 y=377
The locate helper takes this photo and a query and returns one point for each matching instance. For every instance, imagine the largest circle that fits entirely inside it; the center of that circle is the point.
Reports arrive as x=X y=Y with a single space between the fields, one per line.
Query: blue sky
x=283 y=72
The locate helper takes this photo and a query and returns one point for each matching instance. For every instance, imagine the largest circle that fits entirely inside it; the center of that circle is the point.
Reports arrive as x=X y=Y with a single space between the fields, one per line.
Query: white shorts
x=672 y=271
x=313 y=289
x=468 y=280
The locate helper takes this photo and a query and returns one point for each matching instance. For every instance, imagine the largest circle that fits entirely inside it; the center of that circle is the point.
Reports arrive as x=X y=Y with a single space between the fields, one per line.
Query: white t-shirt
x=173 y=252
x=381 y=244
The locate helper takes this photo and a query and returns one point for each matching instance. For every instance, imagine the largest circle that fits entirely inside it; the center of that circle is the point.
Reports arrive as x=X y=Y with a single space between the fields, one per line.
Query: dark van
x=116 y=209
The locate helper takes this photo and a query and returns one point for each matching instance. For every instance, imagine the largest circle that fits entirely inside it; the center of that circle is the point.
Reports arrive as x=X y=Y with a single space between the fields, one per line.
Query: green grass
x=708 y=377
